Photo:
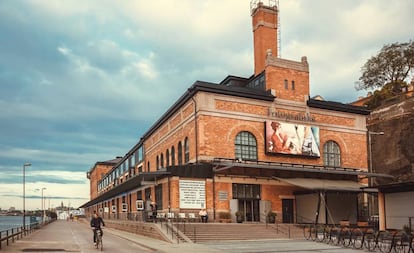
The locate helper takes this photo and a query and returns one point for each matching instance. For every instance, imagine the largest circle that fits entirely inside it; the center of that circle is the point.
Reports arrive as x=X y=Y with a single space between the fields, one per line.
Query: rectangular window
x=258 y=82
x=286 y=84
x=140 y=153
x=131 y=162
x=158 y=196
x=246 y=191
x=293 y=85
x=147 y=193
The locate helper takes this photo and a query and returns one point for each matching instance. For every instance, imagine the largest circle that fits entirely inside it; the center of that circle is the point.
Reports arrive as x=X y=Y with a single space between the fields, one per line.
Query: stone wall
x=393 y=152
x=140 y=228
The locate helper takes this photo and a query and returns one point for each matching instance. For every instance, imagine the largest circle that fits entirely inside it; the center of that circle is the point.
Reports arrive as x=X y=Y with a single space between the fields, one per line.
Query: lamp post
x=43 y=206
x=24 y=195
x=370 y=170
x=370 y=152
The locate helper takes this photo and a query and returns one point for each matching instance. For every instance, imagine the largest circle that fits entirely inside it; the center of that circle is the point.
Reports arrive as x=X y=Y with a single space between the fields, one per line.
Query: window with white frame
x=186 y=151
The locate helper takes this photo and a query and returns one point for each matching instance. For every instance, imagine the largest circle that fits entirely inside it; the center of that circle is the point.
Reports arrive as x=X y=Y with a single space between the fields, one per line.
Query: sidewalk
x=63 y=236
x=161 y=246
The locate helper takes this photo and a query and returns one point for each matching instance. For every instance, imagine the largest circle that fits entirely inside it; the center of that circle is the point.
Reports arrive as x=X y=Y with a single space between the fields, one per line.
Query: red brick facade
x=209 y=122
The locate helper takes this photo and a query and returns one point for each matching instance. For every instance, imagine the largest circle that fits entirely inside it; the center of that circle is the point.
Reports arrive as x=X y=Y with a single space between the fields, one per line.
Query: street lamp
x=370 y=152
x=43 y=206
x=24 y=195
x=370 y=182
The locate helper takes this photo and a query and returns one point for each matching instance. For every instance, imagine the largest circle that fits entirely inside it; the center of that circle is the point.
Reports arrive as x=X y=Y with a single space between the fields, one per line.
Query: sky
x=81 y=81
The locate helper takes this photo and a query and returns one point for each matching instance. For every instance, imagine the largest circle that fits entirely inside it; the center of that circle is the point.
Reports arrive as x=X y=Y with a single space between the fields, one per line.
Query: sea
x=9 y=222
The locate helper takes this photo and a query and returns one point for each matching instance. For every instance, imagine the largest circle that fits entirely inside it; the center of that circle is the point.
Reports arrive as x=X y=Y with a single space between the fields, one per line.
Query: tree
x=393 y=65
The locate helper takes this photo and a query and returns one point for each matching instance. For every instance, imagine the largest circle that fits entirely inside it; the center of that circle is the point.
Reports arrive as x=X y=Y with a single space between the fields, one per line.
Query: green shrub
x=224 y=215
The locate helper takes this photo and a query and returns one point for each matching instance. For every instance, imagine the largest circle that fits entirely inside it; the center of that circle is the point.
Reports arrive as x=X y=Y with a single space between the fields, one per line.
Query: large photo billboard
x=294 y=139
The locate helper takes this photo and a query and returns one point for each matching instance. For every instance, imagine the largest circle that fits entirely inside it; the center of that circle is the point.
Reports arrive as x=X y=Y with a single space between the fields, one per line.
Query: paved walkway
x=63 y=236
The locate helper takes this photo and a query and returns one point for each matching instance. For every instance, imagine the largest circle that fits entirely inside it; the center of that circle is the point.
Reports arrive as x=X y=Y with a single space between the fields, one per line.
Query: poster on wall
x=140 y=205
x=192 y=194
x=295 y=139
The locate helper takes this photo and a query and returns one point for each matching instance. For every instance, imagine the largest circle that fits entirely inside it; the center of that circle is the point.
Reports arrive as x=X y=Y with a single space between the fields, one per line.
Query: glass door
x=287 y=207
x=250 y=209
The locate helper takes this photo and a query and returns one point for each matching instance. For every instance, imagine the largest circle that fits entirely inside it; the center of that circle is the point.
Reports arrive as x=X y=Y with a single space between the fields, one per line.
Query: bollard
x=289 y=231
x=195 y=235
x=172 y=231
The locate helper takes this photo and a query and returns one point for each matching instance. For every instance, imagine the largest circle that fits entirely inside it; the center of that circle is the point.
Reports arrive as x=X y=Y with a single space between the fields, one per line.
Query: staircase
x=202 y=232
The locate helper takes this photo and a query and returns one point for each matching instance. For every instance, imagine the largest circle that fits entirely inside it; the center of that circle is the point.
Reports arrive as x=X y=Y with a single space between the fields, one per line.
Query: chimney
x=265 y=26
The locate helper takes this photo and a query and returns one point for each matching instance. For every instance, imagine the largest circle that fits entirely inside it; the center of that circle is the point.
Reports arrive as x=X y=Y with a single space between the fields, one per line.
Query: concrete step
x=201 y=232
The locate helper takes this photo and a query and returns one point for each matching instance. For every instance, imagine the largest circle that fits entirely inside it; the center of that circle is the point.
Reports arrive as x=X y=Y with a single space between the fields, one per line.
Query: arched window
x=148 y=167
x=162 y=160
x=180 y=153
x=331 y=154
x=246 y=146
x=158 y=163
x=172 y=156
x=293 y=85
x=167 y=157
x=286 y=84
x=186 y=151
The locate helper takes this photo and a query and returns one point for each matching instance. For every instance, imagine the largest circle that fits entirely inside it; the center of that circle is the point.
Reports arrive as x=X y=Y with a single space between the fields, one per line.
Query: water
x=9 y=222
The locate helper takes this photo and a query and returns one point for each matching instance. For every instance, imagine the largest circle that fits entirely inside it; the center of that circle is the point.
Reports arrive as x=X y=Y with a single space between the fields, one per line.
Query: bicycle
x=317 y=232
x=357 y=238
x=403 y=242
x=98 y=242
x=386 y=242
x=307 y=231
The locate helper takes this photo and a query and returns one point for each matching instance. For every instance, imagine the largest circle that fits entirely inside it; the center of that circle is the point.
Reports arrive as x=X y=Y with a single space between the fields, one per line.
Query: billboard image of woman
x=287 y=138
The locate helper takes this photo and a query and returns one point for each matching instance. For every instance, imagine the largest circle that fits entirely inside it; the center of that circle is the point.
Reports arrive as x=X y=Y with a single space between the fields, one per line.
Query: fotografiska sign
x=299 y=116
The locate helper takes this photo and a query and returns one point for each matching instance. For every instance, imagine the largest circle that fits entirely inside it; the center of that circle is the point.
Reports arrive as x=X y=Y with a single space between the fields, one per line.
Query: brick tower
x=288 y=80
x=265 y=25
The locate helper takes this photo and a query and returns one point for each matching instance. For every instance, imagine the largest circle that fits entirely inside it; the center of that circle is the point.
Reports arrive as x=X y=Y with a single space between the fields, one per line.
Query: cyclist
x=96 y=222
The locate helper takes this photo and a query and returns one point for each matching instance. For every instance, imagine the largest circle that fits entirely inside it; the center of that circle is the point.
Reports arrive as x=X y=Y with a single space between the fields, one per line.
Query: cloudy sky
x=81 y=81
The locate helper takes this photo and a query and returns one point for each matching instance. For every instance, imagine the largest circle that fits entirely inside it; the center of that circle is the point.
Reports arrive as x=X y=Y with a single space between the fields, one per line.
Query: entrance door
x=250 y=208
x=287 y=207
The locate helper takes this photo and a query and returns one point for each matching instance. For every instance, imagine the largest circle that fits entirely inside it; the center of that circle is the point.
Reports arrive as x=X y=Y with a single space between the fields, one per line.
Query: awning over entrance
x=325 y=184
x=226 y=166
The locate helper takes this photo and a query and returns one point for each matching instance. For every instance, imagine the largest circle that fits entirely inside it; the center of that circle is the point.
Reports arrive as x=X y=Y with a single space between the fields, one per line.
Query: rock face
x=393 y=152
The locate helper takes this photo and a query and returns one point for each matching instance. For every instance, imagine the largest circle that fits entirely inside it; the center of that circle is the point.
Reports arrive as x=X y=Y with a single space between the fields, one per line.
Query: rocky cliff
x=393 y=152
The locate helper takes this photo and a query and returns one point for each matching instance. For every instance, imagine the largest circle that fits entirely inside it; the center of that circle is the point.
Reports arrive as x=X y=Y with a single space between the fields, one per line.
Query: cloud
x=43 y=176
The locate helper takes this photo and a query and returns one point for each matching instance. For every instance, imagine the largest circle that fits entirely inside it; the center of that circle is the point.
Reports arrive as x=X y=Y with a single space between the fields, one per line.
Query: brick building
x=248 y=145
x=98 y=171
